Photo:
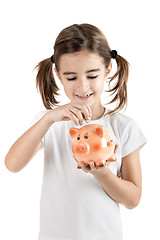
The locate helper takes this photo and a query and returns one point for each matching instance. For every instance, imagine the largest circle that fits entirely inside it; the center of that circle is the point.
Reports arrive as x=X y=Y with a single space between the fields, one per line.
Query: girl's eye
x=70 y=79
x=78 y=138
x=85 y=137
x=91 y=77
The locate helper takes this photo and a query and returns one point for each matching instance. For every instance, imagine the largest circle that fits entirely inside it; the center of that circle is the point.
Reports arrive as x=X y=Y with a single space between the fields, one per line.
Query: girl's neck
x=97 y=112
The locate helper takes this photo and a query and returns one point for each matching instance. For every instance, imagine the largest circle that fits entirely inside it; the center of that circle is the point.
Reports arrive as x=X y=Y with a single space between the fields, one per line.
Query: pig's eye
x=78 y=138
x=85 y=137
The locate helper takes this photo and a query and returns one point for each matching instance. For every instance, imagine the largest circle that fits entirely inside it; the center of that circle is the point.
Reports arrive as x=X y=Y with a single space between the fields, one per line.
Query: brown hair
x=75 y=38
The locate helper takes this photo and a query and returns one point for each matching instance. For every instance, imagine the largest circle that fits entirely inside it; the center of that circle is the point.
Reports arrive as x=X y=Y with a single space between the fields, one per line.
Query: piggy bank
x=93 y=142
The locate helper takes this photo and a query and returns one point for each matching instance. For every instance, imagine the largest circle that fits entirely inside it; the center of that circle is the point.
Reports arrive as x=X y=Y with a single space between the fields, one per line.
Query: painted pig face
x=92 y=142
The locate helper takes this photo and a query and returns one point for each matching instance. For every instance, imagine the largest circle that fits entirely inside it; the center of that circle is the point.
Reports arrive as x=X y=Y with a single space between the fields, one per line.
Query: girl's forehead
x=80 y=60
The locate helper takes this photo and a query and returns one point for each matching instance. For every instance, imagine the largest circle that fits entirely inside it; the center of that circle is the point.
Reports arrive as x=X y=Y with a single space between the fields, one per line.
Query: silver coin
x=88 y=120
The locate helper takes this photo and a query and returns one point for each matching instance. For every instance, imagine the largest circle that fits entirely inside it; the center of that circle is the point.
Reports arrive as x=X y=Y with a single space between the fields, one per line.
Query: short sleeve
x=36 y=118
x=132 y=138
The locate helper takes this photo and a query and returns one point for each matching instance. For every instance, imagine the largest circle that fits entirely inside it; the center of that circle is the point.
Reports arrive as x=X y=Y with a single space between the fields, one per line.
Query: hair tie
x=113 y=53
x=52 y=58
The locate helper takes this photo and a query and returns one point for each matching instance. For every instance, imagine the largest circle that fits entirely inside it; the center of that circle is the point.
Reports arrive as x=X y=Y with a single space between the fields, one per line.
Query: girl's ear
x=108 y=70
x=57 y=74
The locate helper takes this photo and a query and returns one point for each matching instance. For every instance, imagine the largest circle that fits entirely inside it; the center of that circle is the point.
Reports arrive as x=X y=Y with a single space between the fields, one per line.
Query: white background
x=28 y=32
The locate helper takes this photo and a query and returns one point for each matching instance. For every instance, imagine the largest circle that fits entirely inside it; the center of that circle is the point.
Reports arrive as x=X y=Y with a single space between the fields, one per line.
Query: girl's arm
x=127 y=189
x=24 y=149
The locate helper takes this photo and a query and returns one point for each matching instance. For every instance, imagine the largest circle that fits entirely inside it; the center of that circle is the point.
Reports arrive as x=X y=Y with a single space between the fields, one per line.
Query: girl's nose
x=83 y=85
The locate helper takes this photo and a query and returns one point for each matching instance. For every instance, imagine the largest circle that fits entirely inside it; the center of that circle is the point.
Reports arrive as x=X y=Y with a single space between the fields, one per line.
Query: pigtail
x=46 y=83
x=119 y=90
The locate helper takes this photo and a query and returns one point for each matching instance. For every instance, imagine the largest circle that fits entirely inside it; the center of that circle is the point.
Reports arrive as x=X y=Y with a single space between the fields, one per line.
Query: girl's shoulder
x=128 y=132
x=124 y=125
x=121 y=120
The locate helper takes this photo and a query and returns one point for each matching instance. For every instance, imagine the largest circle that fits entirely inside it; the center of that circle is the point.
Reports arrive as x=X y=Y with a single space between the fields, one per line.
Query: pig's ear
x=73 y=132
x=100 y=131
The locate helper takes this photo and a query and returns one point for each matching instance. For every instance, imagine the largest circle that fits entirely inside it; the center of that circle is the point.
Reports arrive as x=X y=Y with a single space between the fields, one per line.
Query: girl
x=82 y=204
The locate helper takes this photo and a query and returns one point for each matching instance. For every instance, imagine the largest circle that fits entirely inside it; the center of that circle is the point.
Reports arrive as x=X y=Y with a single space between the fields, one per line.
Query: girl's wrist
x=49 y=118
x=100 y=172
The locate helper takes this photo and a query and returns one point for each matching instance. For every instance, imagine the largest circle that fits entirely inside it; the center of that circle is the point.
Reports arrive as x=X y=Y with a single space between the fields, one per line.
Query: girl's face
x=82 y=75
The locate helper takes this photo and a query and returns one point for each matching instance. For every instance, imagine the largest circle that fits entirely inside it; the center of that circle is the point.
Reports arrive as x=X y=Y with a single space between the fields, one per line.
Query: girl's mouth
x=84 y=97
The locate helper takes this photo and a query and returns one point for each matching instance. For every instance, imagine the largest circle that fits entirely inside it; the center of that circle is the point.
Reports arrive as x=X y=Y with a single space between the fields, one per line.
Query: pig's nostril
x=81 y=148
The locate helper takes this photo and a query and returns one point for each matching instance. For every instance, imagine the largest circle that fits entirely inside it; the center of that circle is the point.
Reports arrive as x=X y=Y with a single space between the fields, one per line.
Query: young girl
x=82 y=204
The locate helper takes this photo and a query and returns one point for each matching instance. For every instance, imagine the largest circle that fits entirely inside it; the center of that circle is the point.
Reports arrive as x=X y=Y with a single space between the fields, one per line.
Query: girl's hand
x=71 y=111
x=95 y=170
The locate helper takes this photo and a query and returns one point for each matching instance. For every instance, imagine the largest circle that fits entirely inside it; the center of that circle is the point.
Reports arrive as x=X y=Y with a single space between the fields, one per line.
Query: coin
x=88 y=120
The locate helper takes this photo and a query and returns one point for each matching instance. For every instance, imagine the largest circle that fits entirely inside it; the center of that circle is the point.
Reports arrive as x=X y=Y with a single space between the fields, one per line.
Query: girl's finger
x=86 y=112
x=89 y=110
x=77 y=113
x=72 y=117
x=84 y=109
x=92 y=165
x=85 y=168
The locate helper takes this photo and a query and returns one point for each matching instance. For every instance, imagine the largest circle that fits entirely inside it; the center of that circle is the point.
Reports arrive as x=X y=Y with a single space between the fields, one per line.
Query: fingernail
x=92 y=164
x=88 y=120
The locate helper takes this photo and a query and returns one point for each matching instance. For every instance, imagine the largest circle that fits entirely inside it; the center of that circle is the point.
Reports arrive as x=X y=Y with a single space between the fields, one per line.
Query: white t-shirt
x=73 y=205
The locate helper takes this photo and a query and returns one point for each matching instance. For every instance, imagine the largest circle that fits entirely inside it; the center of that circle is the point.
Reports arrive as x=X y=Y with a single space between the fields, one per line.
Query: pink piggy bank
x=93 y=142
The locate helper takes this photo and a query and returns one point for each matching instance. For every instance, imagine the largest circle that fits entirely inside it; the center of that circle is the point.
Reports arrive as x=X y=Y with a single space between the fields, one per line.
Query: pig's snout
x=82 y=148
